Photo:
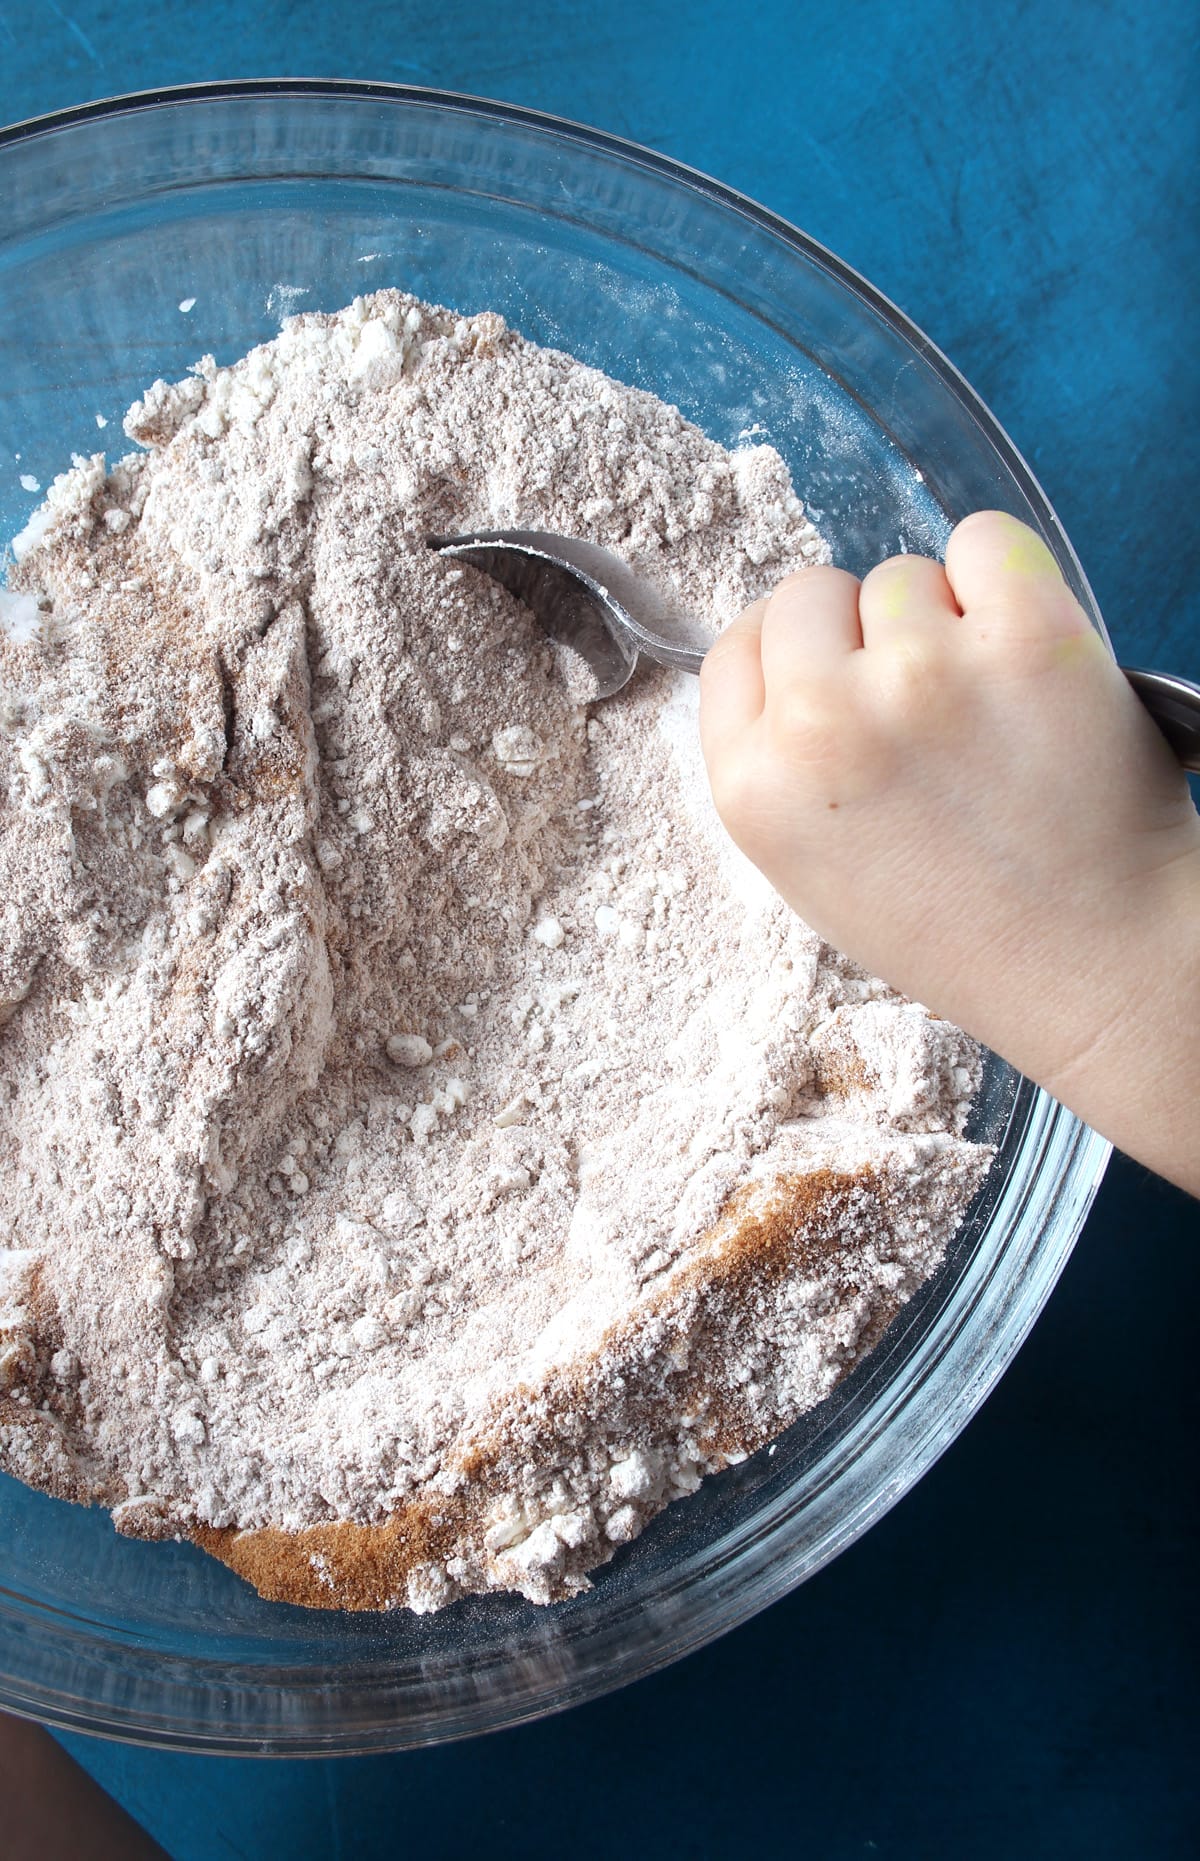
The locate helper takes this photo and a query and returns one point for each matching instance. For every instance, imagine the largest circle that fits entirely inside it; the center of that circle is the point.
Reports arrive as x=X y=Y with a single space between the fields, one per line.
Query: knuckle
x=886 y=570
x=983 y=529
x=804 y=594
x=1020 y=640
x=807 y=731
x=734 y=781
x=803 y=583
x=986 y=521
x=909 y=676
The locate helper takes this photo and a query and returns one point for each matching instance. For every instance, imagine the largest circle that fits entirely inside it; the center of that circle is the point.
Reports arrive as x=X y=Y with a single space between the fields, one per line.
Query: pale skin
x=943 y=771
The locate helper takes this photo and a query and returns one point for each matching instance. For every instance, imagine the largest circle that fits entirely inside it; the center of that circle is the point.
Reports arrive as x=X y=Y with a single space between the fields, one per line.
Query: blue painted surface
x=1006 y=1665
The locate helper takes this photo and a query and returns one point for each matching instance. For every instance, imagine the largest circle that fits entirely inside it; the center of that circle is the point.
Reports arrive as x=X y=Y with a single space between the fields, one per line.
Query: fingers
x=906 y=594
x=804 y=628
x=809 y=628
x=731 y=681
x=998 y=566
x=789 y=641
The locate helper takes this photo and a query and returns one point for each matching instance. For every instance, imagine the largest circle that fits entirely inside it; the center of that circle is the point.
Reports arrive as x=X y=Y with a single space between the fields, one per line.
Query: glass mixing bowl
x=255 y=200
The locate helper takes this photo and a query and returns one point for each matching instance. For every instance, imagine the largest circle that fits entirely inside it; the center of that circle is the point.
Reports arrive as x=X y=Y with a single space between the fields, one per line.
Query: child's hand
x=945 y=773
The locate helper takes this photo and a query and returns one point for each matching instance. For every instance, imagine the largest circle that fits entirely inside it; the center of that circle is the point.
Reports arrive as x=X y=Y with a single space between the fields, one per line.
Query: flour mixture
x=426 y=1147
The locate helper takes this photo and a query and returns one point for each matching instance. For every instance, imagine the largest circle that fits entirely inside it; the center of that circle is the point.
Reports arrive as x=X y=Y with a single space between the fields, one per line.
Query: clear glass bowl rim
x=251 y=89
x=1071 y=1157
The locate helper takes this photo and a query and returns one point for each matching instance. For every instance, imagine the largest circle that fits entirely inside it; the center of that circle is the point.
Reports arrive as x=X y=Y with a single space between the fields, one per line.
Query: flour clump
x=426 y=1147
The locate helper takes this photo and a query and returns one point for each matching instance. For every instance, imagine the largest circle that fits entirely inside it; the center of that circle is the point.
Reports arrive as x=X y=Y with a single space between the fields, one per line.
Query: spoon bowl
x=586 y=599
x=594 y=605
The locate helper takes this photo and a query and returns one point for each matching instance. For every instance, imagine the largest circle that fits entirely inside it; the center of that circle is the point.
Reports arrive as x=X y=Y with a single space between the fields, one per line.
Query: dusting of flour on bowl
x=426 y=1147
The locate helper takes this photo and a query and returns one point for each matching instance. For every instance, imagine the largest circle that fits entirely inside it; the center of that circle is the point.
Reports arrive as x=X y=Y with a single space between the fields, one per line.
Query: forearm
x=1098 y=1002
x=1135 y=1077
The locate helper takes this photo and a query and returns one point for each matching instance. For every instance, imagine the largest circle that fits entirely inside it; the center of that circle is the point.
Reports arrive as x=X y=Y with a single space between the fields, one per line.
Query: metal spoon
x=591 y=601
x=586 y=598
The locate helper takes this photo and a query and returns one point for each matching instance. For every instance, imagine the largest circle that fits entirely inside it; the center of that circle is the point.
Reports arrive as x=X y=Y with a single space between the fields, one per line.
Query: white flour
x=382 y=1036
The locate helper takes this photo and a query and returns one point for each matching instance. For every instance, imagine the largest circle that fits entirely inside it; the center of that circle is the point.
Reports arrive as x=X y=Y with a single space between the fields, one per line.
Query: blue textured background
x=1006 y=1665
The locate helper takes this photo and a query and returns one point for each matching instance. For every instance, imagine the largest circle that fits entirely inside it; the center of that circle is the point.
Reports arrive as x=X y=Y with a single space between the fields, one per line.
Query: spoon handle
x=1174 y=704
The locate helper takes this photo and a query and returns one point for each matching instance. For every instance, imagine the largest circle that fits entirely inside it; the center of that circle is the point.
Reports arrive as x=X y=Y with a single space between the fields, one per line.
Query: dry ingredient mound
x=426 y=1147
